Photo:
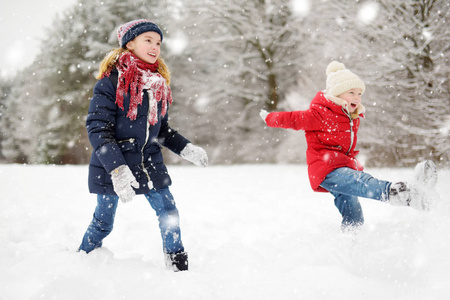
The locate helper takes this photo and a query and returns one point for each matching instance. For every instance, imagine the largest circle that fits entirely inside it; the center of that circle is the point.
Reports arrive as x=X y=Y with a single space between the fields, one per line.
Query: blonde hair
x=111 y=58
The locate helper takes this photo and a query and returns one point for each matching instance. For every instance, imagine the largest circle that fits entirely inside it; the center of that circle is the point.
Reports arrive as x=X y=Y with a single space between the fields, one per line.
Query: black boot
x=420 y=193
x=400 y=194
x=177 y=261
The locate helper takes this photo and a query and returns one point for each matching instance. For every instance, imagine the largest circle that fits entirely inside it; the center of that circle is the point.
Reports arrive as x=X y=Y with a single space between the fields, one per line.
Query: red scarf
x=136 y=76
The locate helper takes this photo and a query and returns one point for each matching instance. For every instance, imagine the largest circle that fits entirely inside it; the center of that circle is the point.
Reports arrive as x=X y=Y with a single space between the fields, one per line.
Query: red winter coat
x=331 y=135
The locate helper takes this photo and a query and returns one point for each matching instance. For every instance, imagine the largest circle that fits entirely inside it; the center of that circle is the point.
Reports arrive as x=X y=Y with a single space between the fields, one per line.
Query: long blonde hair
x=111 y=58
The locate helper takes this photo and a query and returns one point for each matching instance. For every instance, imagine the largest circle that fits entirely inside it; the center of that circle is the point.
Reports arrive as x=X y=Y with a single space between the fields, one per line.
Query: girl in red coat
x=331 y=126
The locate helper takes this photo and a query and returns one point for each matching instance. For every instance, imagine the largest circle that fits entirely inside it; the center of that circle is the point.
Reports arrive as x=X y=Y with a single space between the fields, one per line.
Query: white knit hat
x=340 y=79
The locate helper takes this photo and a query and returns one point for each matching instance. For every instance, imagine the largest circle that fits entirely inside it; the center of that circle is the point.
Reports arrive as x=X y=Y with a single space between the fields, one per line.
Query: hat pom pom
x=335 y=66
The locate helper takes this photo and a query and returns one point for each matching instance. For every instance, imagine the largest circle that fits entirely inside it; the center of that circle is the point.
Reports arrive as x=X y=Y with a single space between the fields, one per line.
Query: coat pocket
x=127 y=145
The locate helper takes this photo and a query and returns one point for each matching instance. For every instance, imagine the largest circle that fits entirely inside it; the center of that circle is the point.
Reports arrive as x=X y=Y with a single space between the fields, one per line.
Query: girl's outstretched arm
x=297 y=120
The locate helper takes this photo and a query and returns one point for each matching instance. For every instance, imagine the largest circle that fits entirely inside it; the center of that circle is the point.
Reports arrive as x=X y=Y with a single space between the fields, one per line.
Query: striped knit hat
x=128 y=31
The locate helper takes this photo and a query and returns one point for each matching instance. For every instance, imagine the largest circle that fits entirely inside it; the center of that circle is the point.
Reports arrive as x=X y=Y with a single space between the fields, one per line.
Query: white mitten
x=263 y=113
x=123 y=183
x=195 y=154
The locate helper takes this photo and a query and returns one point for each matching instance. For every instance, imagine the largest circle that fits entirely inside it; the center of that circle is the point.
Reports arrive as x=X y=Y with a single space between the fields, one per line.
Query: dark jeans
x=161 y=201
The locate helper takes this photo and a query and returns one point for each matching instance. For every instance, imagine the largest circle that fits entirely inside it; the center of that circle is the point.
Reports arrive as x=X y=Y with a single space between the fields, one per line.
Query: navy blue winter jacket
x=117 y=140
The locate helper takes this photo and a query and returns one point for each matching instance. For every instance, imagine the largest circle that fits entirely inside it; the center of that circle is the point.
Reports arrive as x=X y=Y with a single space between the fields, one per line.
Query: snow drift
x=252 y=232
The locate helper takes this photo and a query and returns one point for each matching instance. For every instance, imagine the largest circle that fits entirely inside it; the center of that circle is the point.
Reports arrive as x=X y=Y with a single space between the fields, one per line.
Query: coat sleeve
x=170 y=138
x=100 y=124
x=307 y=120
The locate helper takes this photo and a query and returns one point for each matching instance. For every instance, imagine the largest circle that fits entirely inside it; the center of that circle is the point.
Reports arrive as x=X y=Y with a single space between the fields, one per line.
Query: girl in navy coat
x=127 y=124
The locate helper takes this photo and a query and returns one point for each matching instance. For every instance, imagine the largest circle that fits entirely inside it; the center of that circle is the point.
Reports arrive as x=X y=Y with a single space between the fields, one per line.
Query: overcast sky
x=23 y=24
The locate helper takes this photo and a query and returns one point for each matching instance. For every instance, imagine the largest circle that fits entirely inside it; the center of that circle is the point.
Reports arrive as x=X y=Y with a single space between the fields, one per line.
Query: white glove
x=263 y=113
x=195 y=154
x=123 y=182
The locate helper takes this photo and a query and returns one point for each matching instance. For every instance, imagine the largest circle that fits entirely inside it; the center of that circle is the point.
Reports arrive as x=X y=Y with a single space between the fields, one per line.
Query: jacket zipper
x=146 y=140
x=351 y=131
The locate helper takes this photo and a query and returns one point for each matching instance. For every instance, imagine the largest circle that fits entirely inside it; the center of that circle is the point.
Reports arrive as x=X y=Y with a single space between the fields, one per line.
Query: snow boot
x=403 y=194
x=400 y=194
x=419 y=194
x=177 y=261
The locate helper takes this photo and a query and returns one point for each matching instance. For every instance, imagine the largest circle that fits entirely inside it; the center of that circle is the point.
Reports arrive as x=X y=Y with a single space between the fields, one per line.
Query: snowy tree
x=418 y=71
x=229 y=59
x=19 y=110
x=5 y=90
x=400 y=49
x=241 y=56
x=50 y=99
x=412 y=80
x=252 y=46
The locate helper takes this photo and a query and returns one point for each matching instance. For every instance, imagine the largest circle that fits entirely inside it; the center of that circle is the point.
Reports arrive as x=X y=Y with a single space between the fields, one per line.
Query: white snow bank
x=252 y=232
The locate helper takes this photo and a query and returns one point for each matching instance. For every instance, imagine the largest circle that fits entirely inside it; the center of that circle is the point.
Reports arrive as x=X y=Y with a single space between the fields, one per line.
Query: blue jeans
x=346 y=185
x=161 y=201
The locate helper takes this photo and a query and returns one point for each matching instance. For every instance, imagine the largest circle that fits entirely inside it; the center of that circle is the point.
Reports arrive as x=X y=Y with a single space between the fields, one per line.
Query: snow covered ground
x=252 y=232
